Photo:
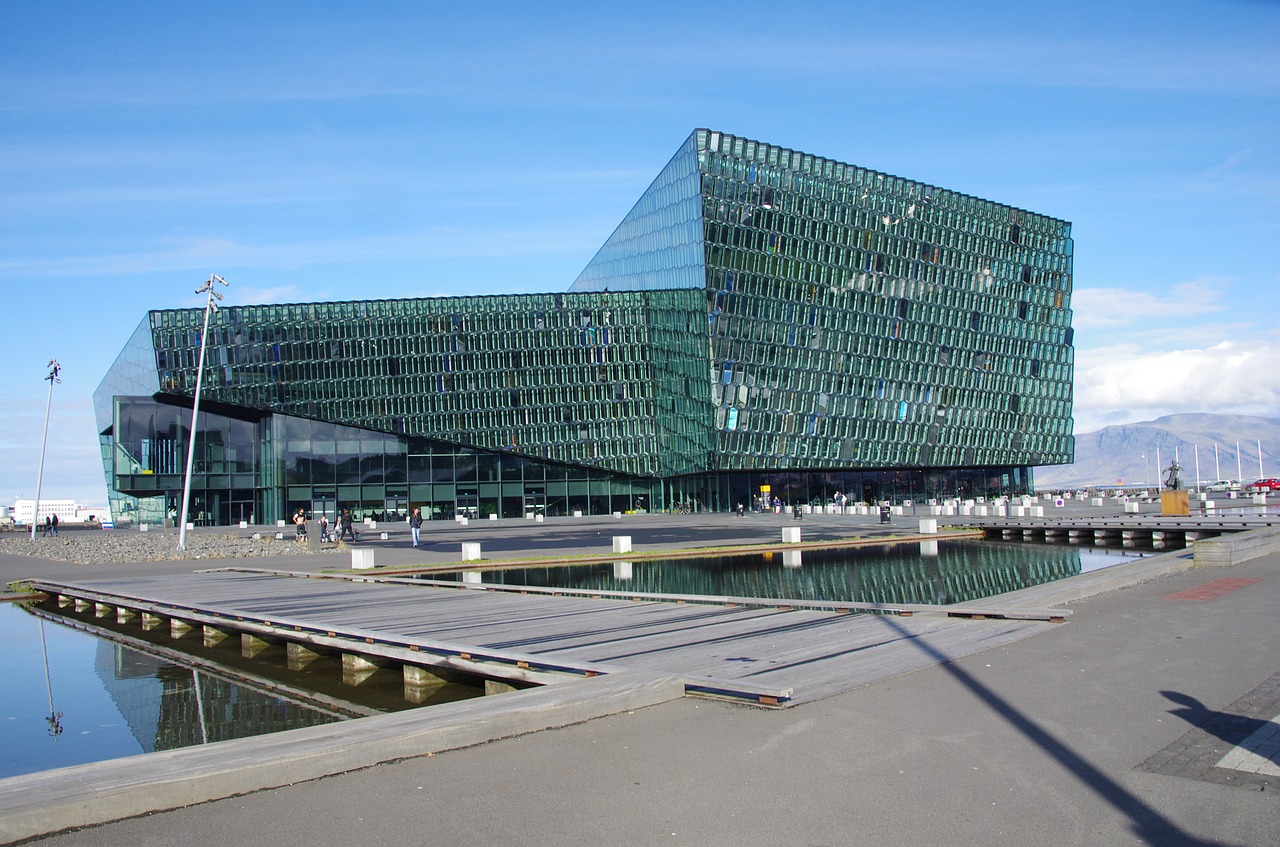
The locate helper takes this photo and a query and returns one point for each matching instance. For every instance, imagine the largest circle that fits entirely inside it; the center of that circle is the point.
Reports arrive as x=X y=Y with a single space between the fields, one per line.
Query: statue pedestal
x=1175 y=503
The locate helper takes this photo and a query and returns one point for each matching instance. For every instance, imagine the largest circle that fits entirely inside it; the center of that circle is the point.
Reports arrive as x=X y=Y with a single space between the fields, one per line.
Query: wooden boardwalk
x=768 y=655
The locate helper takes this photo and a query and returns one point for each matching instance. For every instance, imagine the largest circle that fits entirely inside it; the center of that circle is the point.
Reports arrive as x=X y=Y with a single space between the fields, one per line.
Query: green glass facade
x=760 y=317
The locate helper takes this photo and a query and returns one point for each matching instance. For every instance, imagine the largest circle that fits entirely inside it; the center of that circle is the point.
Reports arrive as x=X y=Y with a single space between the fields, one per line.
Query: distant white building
x=68 y=511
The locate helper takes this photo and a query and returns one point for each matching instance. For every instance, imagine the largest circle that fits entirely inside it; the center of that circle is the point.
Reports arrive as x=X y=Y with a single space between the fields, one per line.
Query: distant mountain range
x=1126 y=453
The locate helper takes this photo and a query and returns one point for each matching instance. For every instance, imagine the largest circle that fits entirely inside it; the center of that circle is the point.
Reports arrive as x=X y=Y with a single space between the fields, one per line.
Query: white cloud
x=1116 y=307
x=1124 y=383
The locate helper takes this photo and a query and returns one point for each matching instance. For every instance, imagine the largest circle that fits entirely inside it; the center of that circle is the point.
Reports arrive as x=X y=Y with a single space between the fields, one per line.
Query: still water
x=72 y=696
x=942 y=572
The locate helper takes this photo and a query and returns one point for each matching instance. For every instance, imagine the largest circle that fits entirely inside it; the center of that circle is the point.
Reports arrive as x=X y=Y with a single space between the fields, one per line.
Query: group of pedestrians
x=344 y=525
x=51 y=526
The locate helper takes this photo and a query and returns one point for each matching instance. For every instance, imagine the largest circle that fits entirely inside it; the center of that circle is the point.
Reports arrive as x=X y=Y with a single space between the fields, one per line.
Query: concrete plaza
x=1148 y=717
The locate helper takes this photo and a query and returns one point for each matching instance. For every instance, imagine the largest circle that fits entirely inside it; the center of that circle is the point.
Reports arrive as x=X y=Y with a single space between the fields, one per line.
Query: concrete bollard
x=1131 y=508
x=1037 y=511
x=244 y=524
x=791 y=535
x=577 y=513
x=928 y=526
x=1095 y=501
x=279 y=523
x=528 y=516
x=1209 y=505
x=1019 y=511
x=980 y=511
x=622 y=544
x=1259 y=499
x=279 y=536
x=382 y=536
x=362 y=559
x=190 y=526
x=257 y=536
x=537 y=518
x=462 y=520
x=492 y=517
x=617 y=516
x=471 y=551
x=143 y=527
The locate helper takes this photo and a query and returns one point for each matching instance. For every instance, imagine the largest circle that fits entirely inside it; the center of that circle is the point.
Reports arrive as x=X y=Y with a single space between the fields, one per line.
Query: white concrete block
x=1095 y=501
x=617 y=516
x=143 y=527
x=362 y=558
x=537 y=519
x=492 y=516
x=928 y=526
x=463 y=520
x=1132 y=508
x=1019 y=511
x=382 y=536
x=791 y=535
x=980 y=511
x=244 y=524
x=279 y=523
x=1037 y=511
x=471 y=551
x=622 y=544
x=577 y=514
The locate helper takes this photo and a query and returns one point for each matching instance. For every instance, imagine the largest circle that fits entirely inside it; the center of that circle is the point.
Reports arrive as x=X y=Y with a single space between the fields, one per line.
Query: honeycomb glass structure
x=763 y=324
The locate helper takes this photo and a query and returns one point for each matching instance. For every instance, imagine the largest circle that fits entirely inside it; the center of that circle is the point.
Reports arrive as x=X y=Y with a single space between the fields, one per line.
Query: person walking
x=48 y=527
x=415 y=525
x=346 y=526
x=54 y=522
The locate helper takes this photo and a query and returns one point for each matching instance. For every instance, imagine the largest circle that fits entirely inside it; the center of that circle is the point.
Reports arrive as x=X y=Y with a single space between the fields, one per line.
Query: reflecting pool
x=943 y=572
x=72 y=696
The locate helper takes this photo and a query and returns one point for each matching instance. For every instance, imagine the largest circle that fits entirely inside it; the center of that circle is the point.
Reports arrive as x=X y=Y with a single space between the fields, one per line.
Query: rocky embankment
x=86 y=547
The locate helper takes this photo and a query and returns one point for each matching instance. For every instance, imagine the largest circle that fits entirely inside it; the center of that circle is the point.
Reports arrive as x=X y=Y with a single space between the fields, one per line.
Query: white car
x=1223 y=485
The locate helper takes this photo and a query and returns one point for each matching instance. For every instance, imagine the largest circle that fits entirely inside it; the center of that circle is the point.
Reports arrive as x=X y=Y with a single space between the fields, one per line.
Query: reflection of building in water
x=130 y=678
x=164 y=708
x=958 y=573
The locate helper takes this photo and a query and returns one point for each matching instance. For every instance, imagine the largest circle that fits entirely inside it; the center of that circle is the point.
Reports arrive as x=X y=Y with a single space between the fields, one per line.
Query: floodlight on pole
x=211 y=306
x=54 y=369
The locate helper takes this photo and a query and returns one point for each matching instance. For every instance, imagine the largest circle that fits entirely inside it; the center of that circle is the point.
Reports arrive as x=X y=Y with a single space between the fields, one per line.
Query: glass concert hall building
x=762 y=322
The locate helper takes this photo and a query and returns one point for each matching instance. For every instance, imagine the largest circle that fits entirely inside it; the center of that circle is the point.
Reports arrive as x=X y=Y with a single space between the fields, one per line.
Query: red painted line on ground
x=1210 y=590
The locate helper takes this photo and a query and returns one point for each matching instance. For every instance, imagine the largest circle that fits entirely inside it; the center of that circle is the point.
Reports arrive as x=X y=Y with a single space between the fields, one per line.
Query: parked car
x=1223 y=485
x=1265 y=485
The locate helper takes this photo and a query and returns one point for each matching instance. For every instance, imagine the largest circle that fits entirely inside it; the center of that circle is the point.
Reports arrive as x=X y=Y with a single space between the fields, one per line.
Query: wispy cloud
x=1118 y=307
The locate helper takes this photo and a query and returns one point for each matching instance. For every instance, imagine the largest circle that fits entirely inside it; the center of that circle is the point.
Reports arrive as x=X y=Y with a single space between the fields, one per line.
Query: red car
x=1268 y=484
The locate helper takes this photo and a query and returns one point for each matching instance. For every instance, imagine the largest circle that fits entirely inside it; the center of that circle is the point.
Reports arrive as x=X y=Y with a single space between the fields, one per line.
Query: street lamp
x=54 y=368
x=210 y=307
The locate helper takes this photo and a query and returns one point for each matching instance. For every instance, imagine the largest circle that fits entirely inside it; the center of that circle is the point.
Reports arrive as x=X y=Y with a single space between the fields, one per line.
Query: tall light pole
x=54 y=368
x=210 y=306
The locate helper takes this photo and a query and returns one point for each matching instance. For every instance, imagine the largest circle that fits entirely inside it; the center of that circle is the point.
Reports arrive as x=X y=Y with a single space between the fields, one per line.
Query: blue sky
x=314 y=151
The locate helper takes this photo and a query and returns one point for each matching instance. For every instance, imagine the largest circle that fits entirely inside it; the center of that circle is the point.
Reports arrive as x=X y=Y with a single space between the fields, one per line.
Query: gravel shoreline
x=92 y=547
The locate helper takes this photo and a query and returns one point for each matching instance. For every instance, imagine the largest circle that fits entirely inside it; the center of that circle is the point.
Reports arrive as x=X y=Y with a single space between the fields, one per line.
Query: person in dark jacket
x=415 y=525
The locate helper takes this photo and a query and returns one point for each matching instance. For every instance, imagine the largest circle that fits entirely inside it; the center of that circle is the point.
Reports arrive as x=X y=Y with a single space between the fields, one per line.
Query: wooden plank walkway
x=789 y=656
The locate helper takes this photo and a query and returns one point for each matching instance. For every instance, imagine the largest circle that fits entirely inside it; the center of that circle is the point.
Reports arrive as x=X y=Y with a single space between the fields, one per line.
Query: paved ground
x=1118 y=727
